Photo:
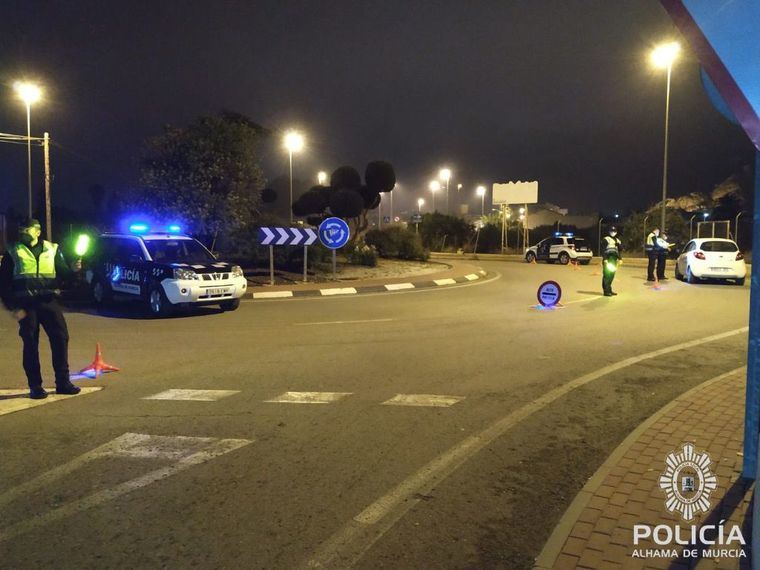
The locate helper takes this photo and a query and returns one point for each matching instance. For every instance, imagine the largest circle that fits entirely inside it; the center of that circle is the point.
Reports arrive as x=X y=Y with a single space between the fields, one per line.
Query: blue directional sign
x=287 y=236
x=334 y=233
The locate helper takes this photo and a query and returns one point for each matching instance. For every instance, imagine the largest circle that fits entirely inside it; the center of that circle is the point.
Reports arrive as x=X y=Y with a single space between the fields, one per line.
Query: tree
x=205 y=175
x=634 y=230
x=346 y=197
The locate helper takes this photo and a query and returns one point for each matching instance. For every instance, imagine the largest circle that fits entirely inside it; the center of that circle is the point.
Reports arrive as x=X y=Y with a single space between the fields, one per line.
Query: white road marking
x=308 y=397
x=444 y=281
x=192 y=395
x=344 y=322
x=399 y=286
x=184 y=452
x=273 y=295
x=349 y=543
x=429 y=400
x=472 y=277
x=338 y=291
x=18 y=399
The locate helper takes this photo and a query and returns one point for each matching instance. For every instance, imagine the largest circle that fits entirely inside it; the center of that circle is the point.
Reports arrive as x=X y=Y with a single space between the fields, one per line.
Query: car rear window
x=718 y=246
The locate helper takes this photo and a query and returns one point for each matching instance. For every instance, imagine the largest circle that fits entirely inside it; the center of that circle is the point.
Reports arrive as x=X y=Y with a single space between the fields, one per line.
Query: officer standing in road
x=662 y=255
x=652 y=249
x=611 y=246
x=29 y=280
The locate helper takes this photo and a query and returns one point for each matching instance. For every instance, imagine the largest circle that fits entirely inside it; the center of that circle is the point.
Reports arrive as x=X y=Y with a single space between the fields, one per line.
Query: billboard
x=515 y=193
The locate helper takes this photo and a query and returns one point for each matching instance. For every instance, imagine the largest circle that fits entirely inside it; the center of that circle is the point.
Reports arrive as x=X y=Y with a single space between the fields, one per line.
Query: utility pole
x=48 y=206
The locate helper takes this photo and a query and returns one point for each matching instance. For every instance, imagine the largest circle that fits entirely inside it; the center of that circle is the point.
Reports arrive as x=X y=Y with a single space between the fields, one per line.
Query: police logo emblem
x=688 y=482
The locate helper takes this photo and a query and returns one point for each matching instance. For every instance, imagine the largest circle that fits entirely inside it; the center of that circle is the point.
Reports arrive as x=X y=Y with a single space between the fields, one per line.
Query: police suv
x=164 y=270
x=563 y=248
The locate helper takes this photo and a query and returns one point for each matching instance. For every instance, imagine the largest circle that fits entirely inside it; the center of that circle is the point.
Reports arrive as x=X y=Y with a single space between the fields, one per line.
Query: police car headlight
x=237 y=271
x=185 y=274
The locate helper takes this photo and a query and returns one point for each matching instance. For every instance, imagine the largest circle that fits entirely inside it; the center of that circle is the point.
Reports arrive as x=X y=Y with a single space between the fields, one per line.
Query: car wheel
x=101 y=293
x=690 y=276
x=564 y=258
x=158 y=304
x=230 y=305
x=530 y=257
x=740 y=282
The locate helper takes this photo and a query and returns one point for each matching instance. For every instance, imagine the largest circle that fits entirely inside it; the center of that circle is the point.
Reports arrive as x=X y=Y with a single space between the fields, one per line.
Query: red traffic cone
x=97 y=365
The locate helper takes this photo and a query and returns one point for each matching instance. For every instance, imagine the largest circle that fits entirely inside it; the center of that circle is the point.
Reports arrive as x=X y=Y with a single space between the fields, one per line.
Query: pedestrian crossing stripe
x=17 y=399
x=426 y=400
x=192 y=395
x=308 y=397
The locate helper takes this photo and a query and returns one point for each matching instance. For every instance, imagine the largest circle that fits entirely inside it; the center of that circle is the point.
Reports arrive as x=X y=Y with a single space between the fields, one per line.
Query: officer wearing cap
x=611 y=246
x=29 y=279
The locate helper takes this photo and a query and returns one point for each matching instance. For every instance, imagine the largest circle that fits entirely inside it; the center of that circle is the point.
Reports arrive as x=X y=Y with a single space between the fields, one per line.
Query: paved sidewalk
x=596 y=532
x=456 y=272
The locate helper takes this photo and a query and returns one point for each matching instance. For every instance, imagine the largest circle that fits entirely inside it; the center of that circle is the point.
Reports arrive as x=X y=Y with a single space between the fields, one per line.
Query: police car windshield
x=177 y=251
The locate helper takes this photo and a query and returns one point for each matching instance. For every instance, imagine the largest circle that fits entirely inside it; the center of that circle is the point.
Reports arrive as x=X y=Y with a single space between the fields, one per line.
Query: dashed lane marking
x=338 y=291
x=273 y=295
x=399 y=286
x=192 y=395
x=427 y=400
x=344 y=322
x=444 y=281
x=18 y=399
x=182 y=452
x=472 y=277
x=308 y=397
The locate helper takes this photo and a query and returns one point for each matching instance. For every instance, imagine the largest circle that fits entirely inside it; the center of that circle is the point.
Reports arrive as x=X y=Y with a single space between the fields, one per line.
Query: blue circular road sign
x=549 y=293
x=334 y=233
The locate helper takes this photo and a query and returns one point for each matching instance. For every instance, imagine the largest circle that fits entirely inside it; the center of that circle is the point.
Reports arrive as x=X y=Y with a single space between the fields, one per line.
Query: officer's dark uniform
x=29 y=280
x=610 y=257
x=662 y=256
x=652 y=249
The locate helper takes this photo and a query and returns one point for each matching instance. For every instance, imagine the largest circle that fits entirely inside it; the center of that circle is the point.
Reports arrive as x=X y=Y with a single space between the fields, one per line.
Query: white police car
x=164 y=270
x=563 y=248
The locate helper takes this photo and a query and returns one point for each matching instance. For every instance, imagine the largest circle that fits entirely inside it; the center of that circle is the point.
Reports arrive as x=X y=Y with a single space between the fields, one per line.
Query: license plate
x=719 y=269
x=218 y=291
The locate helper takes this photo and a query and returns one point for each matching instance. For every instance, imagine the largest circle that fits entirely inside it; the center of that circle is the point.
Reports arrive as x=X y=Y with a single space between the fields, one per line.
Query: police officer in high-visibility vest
x=652 y=249
x=29 y=287
x=611 y=246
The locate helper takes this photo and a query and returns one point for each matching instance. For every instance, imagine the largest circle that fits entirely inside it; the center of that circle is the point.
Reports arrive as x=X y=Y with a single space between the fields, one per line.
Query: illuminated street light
x=29 y=93
x=293 y=142
x=663 y=57
x=420 y=203
x=522 y=211
x=481 y=191
x=445 y=175
x=434 y=186
x=321 y=178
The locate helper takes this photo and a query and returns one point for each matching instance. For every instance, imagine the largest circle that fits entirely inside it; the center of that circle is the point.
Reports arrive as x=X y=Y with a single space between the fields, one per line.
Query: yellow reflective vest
x=32 y=276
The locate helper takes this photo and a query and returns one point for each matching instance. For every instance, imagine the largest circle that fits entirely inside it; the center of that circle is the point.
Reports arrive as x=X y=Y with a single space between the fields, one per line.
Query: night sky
x=561 y=92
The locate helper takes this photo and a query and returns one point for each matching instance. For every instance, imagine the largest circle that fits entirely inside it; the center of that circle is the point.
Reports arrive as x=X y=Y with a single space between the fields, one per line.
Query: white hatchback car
x=711 y=258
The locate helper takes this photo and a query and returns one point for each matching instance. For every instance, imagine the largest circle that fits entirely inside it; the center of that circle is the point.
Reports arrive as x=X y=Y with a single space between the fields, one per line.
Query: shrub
x=362 y=254
x=397 y=242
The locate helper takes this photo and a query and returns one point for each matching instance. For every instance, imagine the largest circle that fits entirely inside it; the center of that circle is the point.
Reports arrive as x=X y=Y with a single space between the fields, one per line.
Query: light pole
x=321 y=177
x=481 y=190
x=645 y=232
x=29 y=93
x=434 y=186
x=420 y=203
x=663 y=57
x=293 y=142
x=601 y=221
x=736 y=228
x=445 y=175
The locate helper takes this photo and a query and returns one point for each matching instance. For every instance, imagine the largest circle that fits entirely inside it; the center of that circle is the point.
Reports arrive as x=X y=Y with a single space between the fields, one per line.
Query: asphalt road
x=479 y=483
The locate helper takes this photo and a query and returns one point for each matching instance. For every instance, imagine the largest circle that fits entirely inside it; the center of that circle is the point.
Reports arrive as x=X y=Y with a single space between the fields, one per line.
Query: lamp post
x=29 y=93
x=445 y=175
x=601 y=221
x=321 y=177
x=736 y=228
x=663 y=57
x=645 y=232
x=434 y=186
x=481 y=191
x=420 y=203
x=293 y=142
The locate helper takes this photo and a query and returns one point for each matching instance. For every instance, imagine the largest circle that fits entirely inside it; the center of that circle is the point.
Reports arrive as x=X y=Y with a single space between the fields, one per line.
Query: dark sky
x=559 y=91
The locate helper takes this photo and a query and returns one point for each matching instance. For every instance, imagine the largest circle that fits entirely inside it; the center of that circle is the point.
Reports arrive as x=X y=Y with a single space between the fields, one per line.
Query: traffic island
x=670 y=496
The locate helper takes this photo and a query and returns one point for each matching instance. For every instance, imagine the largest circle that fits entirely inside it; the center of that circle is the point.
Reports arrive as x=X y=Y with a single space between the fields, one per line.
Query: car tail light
x=699 y=255
x=739 y=256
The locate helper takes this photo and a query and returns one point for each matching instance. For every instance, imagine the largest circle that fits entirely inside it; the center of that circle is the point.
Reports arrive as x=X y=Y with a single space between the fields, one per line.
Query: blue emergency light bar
x=138 y=228
x=174 y=229
x=560 y=234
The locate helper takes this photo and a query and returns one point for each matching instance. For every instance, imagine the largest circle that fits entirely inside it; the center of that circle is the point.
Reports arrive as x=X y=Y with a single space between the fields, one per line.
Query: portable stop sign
x=549 y=293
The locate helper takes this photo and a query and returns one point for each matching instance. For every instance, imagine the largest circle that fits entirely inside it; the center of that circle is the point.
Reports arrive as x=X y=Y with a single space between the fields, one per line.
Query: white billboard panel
x=515 y=193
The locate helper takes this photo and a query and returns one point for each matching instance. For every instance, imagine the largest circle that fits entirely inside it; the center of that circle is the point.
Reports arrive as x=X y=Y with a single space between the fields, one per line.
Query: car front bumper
x=180 y=291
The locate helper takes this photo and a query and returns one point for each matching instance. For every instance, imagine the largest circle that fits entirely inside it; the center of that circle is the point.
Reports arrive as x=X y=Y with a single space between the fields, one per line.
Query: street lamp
x=445 y=175
x=736 y=228
x=29 y=93
x=434 y=186
x=293 y=142
x=481 y=190
x=420 y=203
x=321 y=177
x=663 y=57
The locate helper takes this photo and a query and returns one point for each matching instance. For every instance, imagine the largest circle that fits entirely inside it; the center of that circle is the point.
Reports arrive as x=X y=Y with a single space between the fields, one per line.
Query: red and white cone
x=98 y=366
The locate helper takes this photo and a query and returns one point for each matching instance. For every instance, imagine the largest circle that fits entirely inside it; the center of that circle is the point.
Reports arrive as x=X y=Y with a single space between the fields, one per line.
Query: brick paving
x=597 y=530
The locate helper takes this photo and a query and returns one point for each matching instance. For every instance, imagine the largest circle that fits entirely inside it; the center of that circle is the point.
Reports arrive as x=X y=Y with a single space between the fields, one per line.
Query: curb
x=387 y=288
x=553 y=546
